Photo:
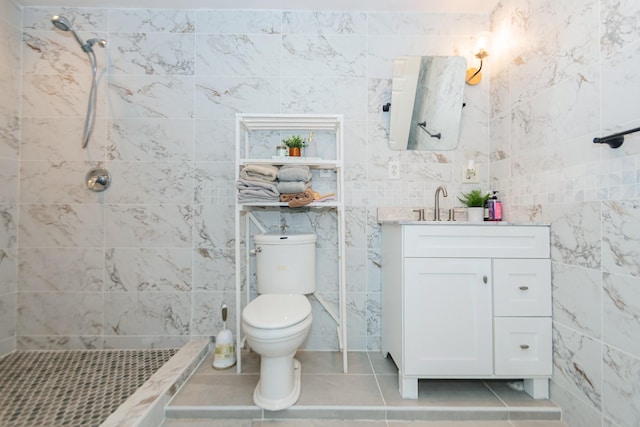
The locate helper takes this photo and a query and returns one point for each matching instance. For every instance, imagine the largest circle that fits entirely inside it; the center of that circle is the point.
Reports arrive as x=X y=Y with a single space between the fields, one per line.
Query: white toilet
x=277 y=322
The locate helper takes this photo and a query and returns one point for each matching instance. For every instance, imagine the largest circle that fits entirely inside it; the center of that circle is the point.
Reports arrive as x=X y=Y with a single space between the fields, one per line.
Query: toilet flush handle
x=256 y=250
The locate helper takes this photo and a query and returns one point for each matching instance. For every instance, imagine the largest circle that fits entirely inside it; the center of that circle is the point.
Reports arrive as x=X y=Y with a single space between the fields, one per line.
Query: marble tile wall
x=568 y=72
x=150 y=261
x=10 y=48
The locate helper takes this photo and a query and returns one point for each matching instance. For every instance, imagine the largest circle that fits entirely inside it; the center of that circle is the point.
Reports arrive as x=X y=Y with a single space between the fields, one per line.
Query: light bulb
x=483 y=44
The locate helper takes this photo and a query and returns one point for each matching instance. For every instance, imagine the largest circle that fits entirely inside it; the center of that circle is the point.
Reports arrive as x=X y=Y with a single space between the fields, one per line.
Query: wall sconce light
x=481 y=48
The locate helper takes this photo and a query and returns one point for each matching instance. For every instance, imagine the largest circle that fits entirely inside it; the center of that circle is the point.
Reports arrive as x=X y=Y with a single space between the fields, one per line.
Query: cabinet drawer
x=522 y=346
x=522 y=287
x=476 y=241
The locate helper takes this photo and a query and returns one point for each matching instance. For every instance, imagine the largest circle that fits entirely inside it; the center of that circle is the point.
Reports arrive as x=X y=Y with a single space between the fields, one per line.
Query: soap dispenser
x=495 y=208
x=487 y=209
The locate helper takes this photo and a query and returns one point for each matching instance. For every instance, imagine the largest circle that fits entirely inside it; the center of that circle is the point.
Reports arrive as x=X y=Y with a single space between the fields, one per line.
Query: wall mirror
x=426 y=102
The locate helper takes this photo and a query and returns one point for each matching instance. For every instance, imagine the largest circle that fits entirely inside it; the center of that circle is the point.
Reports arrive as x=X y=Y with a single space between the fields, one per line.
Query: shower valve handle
x=98 y=179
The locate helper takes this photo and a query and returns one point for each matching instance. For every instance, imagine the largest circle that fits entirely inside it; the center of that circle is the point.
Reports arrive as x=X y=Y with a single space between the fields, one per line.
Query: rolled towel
x=259 y=173
x=302 y=199
x=294 y=173
x=285 y=198
x=292 y=186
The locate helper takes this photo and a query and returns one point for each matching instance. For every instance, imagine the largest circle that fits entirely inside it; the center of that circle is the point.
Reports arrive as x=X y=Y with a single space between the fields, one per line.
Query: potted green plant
x=295 y=144
x=474 y=200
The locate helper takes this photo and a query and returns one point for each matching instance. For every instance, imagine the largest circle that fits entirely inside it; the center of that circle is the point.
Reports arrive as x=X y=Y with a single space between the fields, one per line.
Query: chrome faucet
x=436 y=213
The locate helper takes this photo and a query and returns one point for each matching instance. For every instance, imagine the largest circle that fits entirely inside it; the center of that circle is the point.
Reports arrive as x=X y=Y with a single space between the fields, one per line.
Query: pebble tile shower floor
x=72 y=387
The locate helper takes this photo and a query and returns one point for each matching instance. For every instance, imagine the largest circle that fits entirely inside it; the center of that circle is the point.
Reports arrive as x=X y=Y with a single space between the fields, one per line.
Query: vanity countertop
x=483 y=224
x=408 y=216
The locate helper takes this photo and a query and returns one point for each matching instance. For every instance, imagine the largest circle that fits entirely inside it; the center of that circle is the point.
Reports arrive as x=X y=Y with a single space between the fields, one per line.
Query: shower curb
x=145 y=408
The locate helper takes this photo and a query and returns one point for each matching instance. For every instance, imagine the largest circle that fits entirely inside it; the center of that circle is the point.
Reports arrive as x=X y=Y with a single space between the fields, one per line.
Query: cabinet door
x=448 y=317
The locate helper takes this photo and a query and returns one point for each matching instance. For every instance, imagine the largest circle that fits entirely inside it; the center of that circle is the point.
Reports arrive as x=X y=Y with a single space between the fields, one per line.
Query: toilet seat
x=276 y=311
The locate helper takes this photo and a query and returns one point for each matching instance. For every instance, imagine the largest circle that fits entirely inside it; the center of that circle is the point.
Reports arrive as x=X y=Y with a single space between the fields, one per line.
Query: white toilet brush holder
x=225 y=352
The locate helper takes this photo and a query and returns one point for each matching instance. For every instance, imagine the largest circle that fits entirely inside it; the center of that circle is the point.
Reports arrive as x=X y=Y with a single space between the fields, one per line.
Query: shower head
x=61 y=23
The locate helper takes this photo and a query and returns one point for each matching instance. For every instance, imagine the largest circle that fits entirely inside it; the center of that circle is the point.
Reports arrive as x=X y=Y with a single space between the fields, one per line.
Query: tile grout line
x=375 y=377
x=509 y=409
x=494 y=393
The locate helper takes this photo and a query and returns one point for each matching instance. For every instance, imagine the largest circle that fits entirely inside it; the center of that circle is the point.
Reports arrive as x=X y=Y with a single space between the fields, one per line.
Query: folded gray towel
x=253 y=198
x=257 y=189
x=292 y=186
x=294 y=173
x=259 y=172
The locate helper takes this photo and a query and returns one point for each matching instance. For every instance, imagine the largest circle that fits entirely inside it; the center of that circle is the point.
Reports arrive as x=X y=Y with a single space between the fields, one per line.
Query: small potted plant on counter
x=474 y=200
x=295 y=144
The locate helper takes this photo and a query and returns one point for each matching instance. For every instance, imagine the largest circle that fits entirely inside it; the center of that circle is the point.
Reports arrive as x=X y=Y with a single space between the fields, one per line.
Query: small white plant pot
x=475 y=214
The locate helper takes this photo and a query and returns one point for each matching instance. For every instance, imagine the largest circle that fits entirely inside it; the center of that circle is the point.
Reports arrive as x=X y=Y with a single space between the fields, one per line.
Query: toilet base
x=284 y=402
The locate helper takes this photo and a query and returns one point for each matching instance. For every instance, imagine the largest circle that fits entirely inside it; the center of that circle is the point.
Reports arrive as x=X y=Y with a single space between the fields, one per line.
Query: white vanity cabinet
x=467 y=301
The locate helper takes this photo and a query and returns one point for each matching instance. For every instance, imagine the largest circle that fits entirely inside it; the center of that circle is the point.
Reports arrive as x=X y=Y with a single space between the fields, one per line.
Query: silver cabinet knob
x=485 y=279
x=523 y=288
x=524 y=346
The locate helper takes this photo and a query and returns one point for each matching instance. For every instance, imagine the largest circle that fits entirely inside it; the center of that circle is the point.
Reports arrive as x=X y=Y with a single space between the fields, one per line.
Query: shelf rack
x=246 y=126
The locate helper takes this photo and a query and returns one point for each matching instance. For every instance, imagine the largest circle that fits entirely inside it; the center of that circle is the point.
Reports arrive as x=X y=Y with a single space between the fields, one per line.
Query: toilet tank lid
x=285 y=239
x=273 y=311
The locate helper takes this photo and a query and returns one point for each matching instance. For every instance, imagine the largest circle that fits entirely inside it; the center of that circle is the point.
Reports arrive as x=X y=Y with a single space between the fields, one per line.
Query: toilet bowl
x=277 y=322
x=275 y=325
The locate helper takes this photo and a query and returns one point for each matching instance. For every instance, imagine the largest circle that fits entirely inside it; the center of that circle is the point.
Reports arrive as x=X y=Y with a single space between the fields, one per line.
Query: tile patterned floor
x=71 y=388
x=366 y=396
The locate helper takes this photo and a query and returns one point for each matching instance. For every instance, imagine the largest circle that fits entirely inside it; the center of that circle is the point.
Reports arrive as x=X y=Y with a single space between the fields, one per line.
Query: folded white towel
x=246 y=183
x=259 y=172
x=294 y=173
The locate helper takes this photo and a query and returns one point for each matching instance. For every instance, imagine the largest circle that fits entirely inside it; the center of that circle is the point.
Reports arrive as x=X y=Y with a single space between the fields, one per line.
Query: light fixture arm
x=474 y=75
x=477 y=71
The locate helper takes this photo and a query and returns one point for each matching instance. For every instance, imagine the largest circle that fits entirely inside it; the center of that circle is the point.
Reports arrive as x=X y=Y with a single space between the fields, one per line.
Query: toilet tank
x=285 y=263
